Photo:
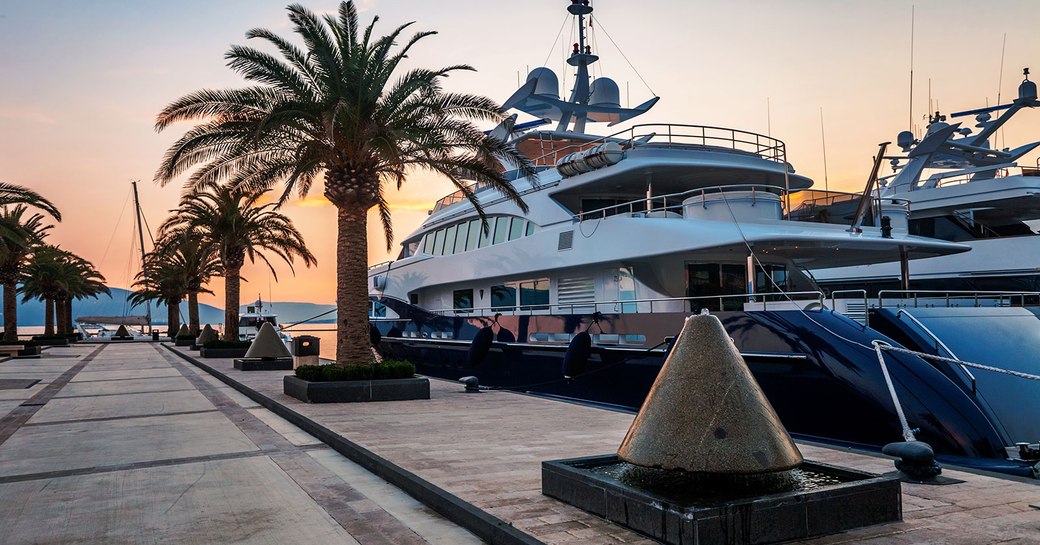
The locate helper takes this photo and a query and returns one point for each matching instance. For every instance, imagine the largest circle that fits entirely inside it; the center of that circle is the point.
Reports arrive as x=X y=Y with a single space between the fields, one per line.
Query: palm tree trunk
x=232 y=287
x=353 y=344
x=48 y=316
x=193 y=313
x=10 y=312
x=173 y=318
x=65 y=327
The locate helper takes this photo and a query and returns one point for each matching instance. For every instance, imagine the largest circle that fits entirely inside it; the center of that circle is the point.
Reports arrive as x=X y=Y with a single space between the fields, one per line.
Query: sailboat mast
x=140 y=236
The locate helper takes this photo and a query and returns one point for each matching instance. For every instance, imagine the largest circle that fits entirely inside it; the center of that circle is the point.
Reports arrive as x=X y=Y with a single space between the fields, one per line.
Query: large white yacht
x=961 y=188
x=629 y=233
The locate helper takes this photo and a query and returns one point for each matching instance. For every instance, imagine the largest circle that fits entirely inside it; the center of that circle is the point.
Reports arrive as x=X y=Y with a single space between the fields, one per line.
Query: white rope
x=885 y=346
x=908 y=434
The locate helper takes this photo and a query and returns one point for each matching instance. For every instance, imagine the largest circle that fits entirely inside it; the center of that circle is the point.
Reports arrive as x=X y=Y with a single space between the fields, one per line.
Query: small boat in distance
x=97 y=327
x=255 y=316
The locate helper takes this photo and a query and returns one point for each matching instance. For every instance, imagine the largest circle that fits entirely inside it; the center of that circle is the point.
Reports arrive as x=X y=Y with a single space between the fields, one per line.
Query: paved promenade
x=126 y=443
x=130 y=443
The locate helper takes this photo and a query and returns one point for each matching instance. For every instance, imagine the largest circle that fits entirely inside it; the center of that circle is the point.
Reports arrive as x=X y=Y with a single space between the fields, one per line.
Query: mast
x=581 y=58
x=140 y=237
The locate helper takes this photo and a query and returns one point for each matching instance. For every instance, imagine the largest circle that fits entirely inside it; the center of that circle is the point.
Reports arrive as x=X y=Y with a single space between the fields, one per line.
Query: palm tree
x=161 y=279
x=16 y=194
x=56 y=277
x=190 y=252
x=19 y=234
x=40 y=280
x=233 y=220
x=334 y=110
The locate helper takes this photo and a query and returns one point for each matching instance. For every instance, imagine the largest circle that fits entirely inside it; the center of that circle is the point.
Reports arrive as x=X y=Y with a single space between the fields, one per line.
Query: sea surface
x=326 y=334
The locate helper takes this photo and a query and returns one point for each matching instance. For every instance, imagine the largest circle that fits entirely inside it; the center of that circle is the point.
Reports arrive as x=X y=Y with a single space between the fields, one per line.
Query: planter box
x=52 y=342
x=30 y=352
x=121 y=338
x=264 y=364
x=184 y=342
x=400 y=389
x=223 y=352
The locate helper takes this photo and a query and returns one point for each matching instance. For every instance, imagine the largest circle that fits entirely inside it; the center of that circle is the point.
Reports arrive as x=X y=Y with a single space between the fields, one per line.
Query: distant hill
x=32 y=313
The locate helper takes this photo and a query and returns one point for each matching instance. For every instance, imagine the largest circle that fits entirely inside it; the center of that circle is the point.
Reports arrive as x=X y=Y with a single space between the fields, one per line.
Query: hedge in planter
x=51 y=340
x=224 y=349
x=391 y=380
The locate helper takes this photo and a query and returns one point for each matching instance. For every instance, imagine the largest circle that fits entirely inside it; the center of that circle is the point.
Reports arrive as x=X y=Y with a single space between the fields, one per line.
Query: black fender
x=577 y=356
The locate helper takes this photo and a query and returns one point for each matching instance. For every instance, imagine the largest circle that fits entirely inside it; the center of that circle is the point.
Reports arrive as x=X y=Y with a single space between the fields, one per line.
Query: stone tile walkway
x=486 y=448
x=126 y=443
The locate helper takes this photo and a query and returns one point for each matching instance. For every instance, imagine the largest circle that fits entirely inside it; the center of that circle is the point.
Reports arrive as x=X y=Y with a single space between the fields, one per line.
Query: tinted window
x=530 y=228
x=503 y=297
x=427 y=243
x=460 y=237
x=462 y=299
x=516 y=229
x=438 y=242
x=485 y=238
x=534 y=295
x=449 y=240
x=471 y=237
x=501 y=229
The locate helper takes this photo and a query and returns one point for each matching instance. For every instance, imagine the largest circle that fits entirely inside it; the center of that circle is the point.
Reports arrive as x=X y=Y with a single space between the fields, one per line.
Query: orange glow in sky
x=83 y=82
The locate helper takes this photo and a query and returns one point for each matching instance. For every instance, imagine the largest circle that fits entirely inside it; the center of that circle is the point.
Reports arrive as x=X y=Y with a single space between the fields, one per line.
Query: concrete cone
x=208 y=334
x=122 y=332
x=705 y=413
x=183 y=331
x=267 y=344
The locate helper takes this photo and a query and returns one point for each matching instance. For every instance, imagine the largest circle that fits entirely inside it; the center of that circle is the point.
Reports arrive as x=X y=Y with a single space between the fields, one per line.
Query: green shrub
x=388 y=369
x=227 y=344
x=310 y=373
x=49 y=337
x=9 y=343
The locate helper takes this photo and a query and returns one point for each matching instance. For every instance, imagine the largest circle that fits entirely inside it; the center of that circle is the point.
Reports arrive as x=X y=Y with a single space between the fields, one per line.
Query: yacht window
x=449 y=239
x=943 y=227
x=460 y=237
x=516 y=229
x=438 y=243
x=710 y=282
x=377 y=310
x=503 y=298
x=530 y=229
x=778 y=273
x=409 y=249
x=413 y=298
x=501 y=230
x=485 y=238
x=427 y=243
x=474 y=233
x=534 y=294
x=462 y=300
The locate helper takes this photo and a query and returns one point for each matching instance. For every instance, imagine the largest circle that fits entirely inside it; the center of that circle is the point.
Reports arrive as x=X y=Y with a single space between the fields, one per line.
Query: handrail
x=533 y=308
x=630 y=205
x=939 y=345
x=763 y=146
x=866 y=304
x=956 y=293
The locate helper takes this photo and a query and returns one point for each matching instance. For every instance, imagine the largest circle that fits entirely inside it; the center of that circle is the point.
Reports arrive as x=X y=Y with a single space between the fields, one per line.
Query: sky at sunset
x=81 y=82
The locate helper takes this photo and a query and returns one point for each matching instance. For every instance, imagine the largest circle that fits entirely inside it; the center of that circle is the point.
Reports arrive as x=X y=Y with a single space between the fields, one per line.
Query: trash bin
x=155 y=335
x=306 y=345
x=305 y=350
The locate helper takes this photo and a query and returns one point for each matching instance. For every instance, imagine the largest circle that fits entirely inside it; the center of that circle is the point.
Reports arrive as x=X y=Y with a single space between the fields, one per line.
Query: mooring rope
x=885 y=346
x=908 y=434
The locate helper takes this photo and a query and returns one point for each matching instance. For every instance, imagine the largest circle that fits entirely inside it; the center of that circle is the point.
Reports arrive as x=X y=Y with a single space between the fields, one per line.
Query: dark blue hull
x=814 y=367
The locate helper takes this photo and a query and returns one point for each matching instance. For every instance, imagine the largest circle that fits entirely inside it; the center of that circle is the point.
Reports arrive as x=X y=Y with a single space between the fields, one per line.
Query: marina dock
x=125 y=443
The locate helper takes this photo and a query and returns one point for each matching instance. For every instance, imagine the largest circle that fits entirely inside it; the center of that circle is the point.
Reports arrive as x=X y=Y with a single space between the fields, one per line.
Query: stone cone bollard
x=183 y=331
x=122 y=332
x=706 y=414
x=208 y=334
x=267 y=344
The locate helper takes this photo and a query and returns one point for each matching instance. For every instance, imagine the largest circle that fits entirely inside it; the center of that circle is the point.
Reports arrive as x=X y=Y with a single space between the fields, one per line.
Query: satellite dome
x=905 y=140
x=605 y=93
x=548 y=84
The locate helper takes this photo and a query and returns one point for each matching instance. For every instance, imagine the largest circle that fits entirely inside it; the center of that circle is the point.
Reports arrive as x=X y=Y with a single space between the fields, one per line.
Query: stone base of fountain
x=686 y=508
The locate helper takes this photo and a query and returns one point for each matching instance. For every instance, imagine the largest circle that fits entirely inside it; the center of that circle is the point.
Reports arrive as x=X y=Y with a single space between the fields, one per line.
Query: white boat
x=104 y=328
x=628 y=234
x=960 y=187
x=256 y=314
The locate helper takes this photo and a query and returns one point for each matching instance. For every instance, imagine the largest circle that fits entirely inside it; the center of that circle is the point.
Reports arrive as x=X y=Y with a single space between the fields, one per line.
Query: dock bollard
x=305 y=350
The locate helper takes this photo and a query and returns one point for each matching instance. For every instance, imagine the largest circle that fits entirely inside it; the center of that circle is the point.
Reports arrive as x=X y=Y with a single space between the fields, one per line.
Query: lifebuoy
x=577 y=356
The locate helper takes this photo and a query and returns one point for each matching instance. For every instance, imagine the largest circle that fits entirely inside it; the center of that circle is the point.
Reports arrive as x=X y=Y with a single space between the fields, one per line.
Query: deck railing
x=673 y=201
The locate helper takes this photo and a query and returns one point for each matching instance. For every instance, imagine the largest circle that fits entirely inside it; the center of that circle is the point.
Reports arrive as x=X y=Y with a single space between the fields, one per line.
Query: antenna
x=1000 y=80
x=911 y=100
x=769 y=119
x=140 y=235
x=823 y=138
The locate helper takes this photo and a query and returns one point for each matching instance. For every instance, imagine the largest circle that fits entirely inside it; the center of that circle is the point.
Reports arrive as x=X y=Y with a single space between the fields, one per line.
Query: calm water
x=326 y=333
